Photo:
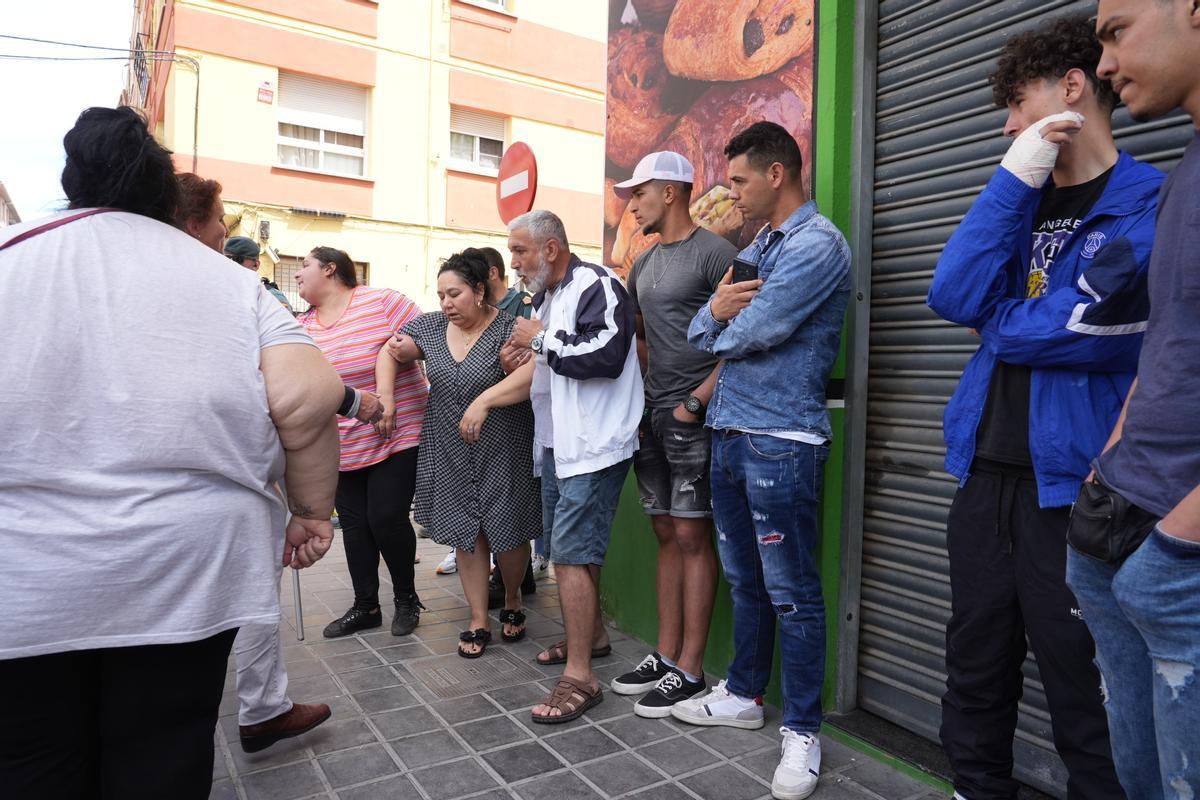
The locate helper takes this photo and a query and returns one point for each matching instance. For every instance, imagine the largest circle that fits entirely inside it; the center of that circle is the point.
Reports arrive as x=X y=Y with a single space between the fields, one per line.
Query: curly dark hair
x=197 y=196
x=471 y=267
x=1048 y=53
x=113 y=161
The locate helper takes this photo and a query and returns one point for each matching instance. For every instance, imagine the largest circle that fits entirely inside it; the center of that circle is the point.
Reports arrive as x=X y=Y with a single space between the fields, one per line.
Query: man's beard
x=536 y=282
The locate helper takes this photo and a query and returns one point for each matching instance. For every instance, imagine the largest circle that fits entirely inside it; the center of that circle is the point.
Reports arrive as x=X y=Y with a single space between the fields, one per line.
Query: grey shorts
x=672 y=465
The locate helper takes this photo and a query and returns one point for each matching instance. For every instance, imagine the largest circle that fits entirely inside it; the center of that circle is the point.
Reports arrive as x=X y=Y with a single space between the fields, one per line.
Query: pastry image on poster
x=686 y=76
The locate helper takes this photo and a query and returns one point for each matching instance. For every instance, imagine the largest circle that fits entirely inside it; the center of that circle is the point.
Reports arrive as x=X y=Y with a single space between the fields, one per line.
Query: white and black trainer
x=799 y=768
x=670 y=689
x=643 y=677
x=720 y=707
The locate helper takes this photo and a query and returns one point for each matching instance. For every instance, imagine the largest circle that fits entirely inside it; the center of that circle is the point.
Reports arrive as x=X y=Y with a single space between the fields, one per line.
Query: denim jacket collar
x=767 y=235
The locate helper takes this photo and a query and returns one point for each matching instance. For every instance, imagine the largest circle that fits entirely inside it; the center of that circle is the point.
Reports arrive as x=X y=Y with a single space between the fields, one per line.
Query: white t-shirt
x=138 y=472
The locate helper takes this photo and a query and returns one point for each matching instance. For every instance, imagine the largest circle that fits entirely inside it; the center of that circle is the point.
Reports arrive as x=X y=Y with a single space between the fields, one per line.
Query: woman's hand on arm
x=303 y=395
x=403 y=349
x=510 y=391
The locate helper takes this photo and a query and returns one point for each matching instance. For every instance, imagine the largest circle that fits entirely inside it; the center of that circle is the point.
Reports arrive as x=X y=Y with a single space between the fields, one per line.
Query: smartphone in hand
x=744 y=270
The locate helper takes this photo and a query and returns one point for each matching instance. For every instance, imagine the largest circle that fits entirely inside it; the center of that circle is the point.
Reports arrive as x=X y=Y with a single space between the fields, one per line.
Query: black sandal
x=510 y=617
x=479 y=636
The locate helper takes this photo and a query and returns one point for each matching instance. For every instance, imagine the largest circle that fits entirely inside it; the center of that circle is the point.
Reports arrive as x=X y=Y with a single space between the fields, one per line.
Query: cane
x=299 y=607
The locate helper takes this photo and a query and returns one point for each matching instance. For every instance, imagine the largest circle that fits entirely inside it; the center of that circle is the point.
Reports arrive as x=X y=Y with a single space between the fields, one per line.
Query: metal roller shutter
x=937 y=140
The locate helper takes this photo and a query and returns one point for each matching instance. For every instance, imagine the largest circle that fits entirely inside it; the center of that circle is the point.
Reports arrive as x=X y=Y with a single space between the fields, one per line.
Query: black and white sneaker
x=643 y=677
x=671 y=689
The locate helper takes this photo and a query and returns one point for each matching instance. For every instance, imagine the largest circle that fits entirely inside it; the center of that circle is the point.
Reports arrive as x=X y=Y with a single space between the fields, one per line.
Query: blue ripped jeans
x=1145 y=617
x=764 y=493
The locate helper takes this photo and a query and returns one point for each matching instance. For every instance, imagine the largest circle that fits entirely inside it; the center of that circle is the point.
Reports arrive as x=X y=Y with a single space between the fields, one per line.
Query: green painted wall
x=628 y=579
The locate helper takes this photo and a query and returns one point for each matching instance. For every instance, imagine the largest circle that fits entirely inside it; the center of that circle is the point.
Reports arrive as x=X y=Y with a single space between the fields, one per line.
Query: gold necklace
x=469 y=338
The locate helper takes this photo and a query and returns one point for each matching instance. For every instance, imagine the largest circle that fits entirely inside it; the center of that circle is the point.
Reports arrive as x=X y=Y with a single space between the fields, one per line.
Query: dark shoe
x=352 y=621
x=301 y=719
x=408 y=615
x=673 y=688
x=479 y=636
x=643 y=678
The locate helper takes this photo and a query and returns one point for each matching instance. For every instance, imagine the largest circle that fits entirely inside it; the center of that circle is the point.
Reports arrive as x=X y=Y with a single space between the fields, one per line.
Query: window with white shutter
x=322 y=125
x=476 y=139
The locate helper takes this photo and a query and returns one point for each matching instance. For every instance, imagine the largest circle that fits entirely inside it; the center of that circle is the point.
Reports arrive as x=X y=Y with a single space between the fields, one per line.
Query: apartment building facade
x=8 y=211
x=377 y=127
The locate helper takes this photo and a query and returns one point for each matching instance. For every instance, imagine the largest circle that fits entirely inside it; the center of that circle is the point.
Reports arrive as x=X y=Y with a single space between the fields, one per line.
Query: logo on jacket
x=1092 y=244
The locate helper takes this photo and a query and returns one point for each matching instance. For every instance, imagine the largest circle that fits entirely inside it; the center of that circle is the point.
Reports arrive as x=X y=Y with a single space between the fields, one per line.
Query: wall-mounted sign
x=266 y=92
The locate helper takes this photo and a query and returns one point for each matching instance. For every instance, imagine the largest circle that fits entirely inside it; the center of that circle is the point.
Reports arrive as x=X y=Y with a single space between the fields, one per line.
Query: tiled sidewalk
x=392 y=736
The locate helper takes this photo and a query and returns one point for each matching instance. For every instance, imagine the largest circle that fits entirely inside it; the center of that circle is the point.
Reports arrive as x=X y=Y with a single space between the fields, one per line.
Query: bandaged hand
x=1032 y=155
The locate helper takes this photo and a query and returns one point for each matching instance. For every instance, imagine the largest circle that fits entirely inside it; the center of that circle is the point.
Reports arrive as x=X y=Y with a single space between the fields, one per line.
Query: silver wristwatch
x=535 y=344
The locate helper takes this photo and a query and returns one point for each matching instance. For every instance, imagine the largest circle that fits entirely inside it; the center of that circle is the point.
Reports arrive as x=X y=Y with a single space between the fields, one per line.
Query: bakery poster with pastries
x=686 y=75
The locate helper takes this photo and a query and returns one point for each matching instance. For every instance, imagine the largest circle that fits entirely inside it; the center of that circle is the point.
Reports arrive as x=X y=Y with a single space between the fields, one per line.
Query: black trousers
x=373 y=504
x=1008 y=582
x=124 y=723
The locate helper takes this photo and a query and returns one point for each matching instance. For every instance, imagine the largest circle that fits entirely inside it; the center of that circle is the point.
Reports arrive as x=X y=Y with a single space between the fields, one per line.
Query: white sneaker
x=720 y=707
x=798 y=770
x=449 y=564
x=540 y=567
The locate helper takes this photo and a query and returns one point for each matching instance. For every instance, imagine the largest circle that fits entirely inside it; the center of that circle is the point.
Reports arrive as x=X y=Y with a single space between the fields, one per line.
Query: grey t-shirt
x=1156 y=463
x=669 y=283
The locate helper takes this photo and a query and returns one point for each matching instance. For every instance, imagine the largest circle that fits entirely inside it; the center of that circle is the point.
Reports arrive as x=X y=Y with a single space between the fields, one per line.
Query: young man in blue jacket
x=1049 y=267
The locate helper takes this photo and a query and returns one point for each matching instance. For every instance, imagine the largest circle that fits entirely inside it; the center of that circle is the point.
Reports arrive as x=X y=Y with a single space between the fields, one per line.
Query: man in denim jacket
x=778 y=337
x=1049 y=266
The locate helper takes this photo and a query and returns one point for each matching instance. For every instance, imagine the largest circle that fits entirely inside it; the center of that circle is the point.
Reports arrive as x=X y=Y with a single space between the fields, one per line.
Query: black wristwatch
x=693 y=405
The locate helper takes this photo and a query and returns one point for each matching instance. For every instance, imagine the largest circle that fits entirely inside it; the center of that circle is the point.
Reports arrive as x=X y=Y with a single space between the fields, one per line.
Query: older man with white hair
x=587 y=402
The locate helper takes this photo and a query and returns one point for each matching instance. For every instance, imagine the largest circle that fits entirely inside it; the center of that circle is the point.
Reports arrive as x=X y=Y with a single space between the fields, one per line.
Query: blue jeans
x=541 y=545
x=1145 y=617
x=765 y=491
x=582 y=511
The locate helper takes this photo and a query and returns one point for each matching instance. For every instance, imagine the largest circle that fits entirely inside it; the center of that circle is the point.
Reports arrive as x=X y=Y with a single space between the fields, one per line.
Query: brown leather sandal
x=557 y=654
x=571 y=699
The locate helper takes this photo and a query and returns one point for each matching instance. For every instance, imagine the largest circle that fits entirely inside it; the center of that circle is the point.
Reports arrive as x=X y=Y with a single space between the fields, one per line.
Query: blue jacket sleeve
x=971 y=274
x=604 y=330
x=810 y=269
x=1095 y=324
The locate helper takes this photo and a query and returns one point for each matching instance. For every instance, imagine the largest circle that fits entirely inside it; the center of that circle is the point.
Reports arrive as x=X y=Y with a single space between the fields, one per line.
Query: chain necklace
x=468 y=339
x=654 y=273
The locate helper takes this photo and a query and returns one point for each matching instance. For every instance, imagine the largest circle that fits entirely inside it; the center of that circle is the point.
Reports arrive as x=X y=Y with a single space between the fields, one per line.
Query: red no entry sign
x=516 y=185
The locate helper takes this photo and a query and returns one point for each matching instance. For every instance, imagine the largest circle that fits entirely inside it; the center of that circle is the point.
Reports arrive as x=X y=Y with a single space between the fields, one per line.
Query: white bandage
x=1031 y=158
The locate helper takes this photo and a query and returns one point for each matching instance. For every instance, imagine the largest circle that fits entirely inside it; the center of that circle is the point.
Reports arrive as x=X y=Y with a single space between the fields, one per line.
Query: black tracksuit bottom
x=1008 y=583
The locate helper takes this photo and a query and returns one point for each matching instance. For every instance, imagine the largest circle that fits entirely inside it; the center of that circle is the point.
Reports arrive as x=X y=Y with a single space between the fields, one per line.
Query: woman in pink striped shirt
x=351 y=323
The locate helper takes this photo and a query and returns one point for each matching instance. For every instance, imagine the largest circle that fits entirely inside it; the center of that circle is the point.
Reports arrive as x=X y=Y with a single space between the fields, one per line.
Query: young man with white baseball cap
x=668 y=284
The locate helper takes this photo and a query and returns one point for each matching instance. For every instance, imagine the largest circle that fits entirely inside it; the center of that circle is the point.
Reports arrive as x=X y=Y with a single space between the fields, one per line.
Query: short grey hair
x=542 y=226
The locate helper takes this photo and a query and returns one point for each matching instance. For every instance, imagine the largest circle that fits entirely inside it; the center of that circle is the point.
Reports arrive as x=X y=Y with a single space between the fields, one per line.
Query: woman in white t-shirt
x=153 y=397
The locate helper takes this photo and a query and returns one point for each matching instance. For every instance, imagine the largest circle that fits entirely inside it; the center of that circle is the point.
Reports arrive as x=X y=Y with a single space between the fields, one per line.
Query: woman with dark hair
x=136 y=544
x=351 y=323
x=476 y=490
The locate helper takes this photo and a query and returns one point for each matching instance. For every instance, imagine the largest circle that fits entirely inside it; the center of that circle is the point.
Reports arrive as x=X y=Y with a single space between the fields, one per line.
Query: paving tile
x=283 y=783
x=398 y=653
x=733 y=742
x=883 y=780
x=833 y=786
x=620 y=774
x=454 y=779
x=724 y=783
x=355 y=766
x=223 y=790
x=405 y=722
x=386 y=699
x=556 y=787
x=515 y=698
x=347 y=662
x=635 y=731
x=523 y=761
x=438 y=631
x=462 y=709
x=284 y=752
x=664 y=791
x=338 y=735
x=397 y=787
x=613 y=705
x=431 y=747
x=484 y=734
x=583 y=744
x=442 y=602
x=304 y=669
x=312 y=690
x=677 y=756
x=835 y=755
x=220 y=768
x=334 y=647
x=442 y=647
x=374 y=678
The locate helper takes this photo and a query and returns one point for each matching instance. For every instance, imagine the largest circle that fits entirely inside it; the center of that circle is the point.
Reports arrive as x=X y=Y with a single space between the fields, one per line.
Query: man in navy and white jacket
x=587 y=403
x=1049 y=268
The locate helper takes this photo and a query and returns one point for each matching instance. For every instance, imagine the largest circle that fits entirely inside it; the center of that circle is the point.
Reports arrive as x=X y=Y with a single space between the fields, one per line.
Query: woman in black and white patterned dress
x=476 y=490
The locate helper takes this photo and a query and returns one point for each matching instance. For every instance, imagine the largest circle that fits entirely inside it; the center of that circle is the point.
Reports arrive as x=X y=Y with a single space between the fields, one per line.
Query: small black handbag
x=1105 y=525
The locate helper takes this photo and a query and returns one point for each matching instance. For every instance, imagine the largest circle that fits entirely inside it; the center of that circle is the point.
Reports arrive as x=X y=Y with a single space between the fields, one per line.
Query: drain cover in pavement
x=454 y=676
